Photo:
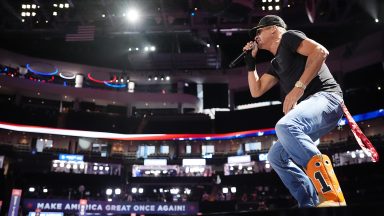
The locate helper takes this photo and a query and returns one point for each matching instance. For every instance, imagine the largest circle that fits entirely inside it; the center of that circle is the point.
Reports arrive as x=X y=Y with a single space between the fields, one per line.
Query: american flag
x=84 y=33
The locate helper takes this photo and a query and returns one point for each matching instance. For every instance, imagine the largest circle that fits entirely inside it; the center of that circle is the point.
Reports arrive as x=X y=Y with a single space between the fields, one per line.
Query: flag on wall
x=84 y=33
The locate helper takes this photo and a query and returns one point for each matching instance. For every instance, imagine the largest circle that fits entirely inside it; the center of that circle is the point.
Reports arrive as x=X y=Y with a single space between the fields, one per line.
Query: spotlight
x=225 y=190
x=141 y=190
x=134 y=190
x=233 y=189
x=133 y=15
x=108 y=192
x=117 y=191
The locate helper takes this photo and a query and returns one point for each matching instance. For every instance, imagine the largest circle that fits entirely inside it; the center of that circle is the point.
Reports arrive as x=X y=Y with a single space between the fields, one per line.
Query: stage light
x=187 y=191
x=267 y=165
x=108 y=192
x=233 y=189
x=141 y=190
x=45 y=190
x=31 y=189
x=361 y=154
x=131 y=87
x=133 y=15
x=54 y=13
x=175 y=190
x=134 y=190
x=153 y=48
x=61 y=5
x=376 y=20
x=167 y=78
x=117 y=191
x=23 y=6
x=66 y=5
x=225 y=190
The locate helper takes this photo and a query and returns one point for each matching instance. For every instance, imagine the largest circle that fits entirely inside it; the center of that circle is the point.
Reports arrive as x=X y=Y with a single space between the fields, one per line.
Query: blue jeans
x=297 y=133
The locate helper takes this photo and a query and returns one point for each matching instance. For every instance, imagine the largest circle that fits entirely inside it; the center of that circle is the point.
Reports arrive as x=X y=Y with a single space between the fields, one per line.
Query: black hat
x=268 y=20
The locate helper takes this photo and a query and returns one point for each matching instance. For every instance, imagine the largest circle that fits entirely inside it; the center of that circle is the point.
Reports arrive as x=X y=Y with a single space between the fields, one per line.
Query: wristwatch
x=299 y=84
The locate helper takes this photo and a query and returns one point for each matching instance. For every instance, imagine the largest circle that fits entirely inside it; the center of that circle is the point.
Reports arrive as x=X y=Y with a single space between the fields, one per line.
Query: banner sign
x=71 y=157
x=15 y=202
x=104 y=207
x=46 y=214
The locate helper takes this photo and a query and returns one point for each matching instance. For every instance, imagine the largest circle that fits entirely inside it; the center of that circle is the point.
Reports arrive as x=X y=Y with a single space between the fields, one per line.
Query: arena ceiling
x=173 y=27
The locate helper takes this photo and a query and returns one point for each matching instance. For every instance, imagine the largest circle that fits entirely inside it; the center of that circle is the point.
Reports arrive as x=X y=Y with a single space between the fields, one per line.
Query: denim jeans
x=297 y=133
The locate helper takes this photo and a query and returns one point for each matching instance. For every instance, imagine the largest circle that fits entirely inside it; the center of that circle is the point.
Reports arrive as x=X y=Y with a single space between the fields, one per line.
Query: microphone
x=238 y=59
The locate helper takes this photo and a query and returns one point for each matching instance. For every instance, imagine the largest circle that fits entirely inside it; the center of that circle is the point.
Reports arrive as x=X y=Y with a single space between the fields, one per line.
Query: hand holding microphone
x=246 y=54
x=251 y=46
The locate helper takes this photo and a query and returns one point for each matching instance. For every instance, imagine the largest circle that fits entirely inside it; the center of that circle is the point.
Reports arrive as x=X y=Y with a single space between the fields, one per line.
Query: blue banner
x=104 y=207
x=15 y=202
x=71 y=157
